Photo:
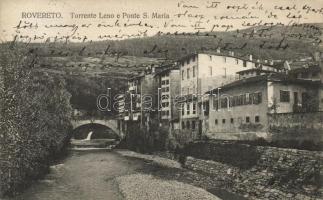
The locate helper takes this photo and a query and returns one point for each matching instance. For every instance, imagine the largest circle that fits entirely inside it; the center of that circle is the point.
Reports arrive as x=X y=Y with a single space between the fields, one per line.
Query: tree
x=34 y=118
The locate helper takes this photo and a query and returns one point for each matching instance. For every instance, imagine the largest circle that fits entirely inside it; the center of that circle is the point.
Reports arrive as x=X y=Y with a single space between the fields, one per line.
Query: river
x=82 y=176
x=91 y=175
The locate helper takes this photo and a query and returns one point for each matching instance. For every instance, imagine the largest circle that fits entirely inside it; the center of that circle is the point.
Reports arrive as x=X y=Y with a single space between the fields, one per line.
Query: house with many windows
x=168 y=89
x=201 y=72
x=239 y=110
x=147 y=98
x=223 y=96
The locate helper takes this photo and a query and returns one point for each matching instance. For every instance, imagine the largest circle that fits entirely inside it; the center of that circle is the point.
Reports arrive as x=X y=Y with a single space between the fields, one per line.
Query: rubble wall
x=296 y=126
x=259 y=172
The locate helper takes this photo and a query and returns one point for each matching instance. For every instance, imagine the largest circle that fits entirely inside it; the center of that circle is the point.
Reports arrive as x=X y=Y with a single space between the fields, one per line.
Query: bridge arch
x=110 y=123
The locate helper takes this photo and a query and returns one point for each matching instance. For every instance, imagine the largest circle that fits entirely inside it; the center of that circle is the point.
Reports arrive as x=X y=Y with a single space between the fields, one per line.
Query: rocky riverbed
x=105 y=174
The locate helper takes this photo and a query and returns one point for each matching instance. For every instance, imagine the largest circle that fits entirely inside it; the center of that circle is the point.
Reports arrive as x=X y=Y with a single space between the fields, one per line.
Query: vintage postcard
x=161 y=99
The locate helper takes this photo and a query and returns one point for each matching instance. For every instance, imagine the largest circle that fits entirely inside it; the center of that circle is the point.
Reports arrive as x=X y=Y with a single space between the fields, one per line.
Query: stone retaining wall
x=276 y=173
x=296 y=126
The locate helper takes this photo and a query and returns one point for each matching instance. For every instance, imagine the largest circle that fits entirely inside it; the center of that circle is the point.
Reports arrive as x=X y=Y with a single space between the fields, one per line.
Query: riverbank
x=123 y=174
x=171 y=170
x=275 y=174
x=107 y=174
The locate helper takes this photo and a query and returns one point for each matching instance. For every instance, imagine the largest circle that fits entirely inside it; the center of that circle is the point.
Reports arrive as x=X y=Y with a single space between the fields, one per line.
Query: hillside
x=260 y=41
x=123 y=58
x=99 y=65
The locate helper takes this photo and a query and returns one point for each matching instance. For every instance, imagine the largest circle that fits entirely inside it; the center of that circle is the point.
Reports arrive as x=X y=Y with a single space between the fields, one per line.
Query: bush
x=34 y=119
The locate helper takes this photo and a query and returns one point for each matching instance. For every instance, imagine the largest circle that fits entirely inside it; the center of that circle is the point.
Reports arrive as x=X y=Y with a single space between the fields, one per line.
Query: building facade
x=203 y=71
x=241 y=110
x=168 y=90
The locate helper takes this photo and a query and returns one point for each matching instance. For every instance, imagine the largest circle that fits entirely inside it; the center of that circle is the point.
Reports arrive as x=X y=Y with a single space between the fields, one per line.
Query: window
x=257 y=119
x=244 y=99
x=216 y=122
x=229 y=101
x=215 y=104
x=193 y=59
x=284 y=96
x=206 y=108
x=210 y=70
x=194 y=108
x=223 y=121
x=235 y=101
x=193 y=71
x=247 y=119
x=167 y=112
x=248 y=101
x=188 y=73
x=244 y=63
x=165 y=97
x=188 y=108
x=295 y=98
x=167 y=82
x=232 y=120
x=166 y=104
x=183 y=111
x=163 y=82
x=224 y=102
x=188 y=124
x=240 y=100
x=257 y=98
x=193 y=125
x=182 y=74
x=183 y=125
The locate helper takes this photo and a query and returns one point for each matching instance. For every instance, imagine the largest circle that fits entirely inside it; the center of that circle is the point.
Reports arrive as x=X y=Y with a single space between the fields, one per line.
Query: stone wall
x=296 y=126
x=181 y=137
x=265 y=173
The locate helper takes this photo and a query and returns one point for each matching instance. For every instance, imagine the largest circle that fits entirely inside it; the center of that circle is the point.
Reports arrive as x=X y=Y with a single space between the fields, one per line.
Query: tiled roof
x=253 y=69
x=274 y=77
x=276 y=64
x=301 y=67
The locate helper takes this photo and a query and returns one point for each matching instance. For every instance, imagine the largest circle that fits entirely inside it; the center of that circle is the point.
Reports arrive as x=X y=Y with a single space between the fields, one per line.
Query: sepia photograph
x=161 y=99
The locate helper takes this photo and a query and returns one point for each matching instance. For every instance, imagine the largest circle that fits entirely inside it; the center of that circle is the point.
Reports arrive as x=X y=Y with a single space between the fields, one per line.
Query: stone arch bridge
x=111 y=123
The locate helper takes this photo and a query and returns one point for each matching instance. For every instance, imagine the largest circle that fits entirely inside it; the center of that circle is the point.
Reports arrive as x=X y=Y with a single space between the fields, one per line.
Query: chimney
x=250 y=57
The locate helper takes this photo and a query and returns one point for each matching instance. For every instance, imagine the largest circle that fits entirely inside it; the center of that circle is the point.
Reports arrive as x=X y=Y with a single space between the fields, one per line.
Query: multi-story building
x=133 y=99
x=240 y=110
x=169 y=88
x=203 y=71
x=142 y=97
x=128 y=105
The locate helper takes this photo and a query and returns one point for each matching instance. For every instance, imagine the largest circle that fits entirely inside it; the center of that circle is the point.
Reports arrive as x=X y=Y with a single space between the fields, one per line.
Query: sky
x=11 y=14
